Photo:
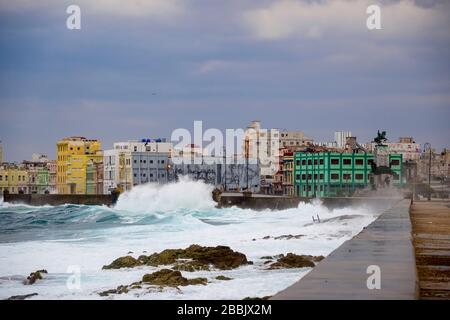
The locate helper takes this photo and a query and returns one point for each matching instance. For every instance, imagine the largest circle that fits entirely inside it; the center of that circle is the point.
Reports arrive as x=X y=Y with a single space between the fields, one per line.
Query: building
x=94 y=177
x=288 y=173
x=150 y=167
x=406 y=146
x=73 y=156
x=328 y=174
x=340 y=138
x=117 y=162
x=13 y=179
x=263 y=145
x=229 y=174
x=294 y=139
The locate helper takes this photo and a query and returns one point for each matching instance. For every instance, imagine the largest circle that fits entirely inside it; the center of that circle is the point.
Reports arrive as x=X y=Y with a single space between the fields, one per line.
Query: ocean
x=150 y=218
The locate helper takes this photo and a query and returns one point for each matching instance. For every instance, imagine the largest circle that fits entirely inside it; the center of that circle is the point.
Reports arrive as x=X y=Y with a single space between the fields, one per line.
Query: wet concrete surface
x=386 y=243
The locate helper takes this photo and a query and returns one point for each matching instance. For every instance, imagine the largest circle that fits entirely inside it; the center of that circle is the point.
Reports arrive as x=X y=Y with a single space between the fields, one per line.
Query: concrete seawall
x=59 y=199
x=386 y=243
x=264 y=202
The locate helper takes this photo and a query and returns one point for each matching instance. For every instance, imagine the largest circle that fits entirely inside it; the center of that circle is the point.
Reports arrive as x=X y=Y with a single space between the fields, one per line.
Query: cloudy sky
x=143 y=68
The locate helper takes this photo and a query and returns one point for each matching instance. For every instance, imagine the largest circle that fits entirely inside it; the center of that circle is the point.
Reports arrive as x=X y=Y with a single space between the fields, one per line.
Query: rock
x=223 y=278
x=266 y=237
x=295 y=261
x=289 y=237
x=171 y=278
x=22 y=297
x=34 y=276
x=220 y=257
x=191 y=266
x=118 y=290
x=267 y=257
x=123 y=262
x=257 y=298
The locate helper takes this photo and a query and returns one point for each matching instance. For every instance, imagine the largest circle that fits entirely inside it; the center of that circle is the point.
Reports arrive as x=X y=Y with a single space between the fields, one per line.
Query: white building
x=117 y=162
x=340 y=137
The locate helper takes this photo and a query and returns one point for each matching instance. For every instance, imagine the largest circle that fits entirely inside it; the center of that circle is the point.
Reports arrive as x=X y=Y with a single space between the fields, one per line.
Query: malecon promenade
x=410 y=243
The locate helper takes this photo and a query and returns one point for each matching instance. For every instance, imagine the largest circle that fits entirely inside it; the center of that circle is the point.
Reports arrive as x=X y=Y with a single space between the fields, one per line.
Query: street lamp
x=427 y=146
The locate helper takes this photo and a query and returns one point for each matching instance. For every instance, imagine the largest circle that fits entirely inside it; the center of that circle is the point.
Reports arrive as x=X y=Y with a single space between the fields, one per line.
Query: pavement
x=382 y=251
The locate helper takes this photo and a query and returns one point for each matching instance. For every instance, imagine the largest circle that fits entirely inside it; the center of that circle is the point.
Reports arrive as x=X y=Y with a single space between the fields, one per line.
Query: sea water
x=151 y=218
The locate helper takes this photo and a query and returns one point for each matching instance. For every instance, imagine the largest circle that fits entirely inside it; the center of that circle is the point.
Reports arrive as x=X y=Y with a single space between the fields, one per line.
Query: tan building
x=294 y=139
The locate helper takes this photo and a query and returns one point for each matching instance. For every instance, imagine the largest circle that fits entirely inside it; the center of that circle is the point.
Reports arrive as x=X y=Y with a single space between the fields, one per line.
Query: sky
x=140 y=69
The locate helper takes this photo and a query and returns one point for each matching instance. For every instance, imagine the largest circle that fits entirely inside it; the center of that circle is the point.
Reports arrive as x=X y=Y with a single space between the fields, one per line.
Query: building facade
x=117 y=162
x=406 y=146
x=14 y=179
x=228 y=175
x=340 y=138
x=73 y=156
x=294 y=139
x=328 y=174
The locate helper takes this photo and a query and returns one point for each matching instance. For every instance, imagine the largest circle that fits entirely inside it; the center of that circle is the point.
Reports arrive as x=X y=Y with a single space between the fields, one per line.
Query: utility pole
x=425 y=146
x=246 y=156
x=225 y=168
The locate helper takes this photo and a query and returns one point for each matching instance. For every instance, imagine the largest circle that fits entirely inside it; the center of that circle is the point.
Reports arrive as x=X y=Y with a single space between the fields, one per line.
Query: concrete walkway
x=385 y=243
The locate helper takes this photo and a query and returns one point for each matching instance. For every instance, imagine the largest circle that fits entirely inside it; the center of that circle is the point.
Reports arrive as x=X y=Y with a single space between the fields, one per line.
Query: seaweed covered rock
x=171 y=278
x=123 y=262
x=292 y=260
x=34 y=276
x=198 y=258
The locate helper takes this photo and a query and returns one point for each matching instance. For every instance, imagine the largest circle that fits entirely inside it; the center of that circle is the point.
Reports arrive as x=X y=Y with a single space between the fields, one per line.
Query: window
x=346 y=176
x=395 y=162
x=162 y=161
x=135 y=161
x=303 y=176
x=309 y=176
x=309 y=162
x=334 y=161
x=304 y=162
x=315 y=177
x=151 y=161
x=347 y=162
x=297 y=177
x=321 y=176
x=321 y=161
x=359 y=162
x=297 y=163
x=334 y=176
x=315 y=162
x=369 y=161
x=359 y=176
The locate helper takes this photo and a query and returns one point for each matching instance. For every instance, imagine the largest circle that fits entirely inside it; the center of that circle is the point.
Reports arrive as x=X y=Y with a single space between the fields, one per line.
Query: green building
x=329 y=174
x=42 y=180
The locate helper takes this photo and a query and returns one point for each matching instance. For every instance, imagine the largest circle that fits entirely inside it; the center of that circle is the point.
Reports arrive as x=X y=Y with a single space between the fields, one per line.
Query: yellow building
x=13 y=179
x=73 y=156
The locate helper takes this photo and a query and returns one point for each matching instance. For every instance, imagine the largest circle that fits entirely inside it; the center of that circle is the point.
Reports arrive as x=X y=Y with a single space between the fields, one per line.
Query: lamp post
x=427 y=146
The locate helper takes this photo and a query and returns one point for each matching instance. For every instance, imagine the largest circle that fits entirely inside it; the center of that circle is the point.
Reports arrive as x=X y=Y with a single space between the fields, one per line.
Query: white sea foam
x=182 y=214
x=185 y=194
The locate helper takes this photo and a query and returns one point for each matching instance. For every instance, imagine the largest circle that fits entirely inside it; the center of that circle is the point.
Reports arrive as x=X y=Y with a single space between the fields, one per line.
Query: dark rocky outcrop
x=123 y=262
x=292 y=260
x=223 y=278
x=22 y=297
x=34 y=276
x=257 y=298
x=171 y=278
x=118 y=290
x=190 y=259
